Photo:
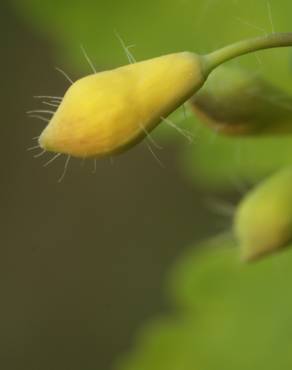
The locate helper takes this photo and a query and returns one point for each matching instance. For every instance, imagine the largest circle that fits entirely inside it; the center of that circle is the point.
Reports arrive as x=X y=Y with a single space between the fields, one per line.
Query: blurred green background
x=84 y=262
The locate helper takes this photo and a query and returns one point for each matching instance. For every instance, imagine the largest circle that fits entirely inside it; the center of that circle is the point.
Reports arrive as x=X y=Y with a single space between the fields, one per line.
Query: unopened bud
x=107 y=112
x=263 y=221
x=239 y=102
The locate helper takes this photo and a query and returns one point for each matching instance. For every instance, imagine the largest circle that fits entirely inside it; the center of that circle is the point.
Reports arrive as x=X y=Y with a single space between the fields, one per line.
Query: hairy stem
x=237 y=49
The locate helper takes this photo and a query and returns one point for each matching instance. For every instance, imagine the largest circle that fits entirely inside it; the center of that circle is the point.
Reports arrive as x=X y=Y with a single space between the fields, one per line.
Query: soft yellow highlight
x=263 y=221
x=108 y=112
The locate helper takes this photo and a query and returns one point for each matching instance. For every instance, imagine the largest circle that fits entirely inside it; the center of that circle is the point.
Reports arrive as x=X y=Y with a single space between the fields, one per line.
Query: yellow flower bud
x=263 y=221
x=107 y=112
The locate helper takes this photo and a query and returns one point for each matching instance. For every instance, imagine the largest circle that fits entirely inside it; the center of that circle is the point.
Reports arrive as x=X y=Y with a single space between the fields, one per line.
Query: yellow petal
x=107 y=112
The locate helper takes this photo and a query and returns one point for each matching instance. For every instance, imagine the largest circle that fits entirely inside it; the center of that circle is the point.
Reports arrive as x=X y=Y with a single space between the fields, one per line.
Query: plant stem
x=237 y=49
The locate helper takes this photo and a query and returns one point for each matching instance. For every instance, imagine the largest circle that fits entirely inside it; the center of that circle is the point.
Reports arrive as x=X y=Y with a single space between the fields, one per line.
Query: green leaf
x=228 y=315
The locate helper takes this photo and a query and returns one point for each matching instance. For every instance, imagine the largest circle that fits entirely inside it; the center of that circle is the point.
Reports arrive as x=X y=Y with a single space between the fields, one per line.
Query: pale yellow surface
x=263 y=221
x=107 y=112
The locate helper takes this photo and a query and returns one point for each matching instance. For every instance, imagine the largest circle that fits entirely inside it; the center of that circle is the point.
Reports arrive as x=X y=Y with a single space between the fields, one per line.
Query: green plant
x=228 y=315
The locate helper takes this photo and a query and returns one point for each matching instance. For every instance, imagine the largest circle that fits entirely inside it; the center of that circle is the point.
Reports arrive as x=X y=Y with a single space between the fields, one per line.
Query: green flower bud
x=239 y=102
x=263 y=220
